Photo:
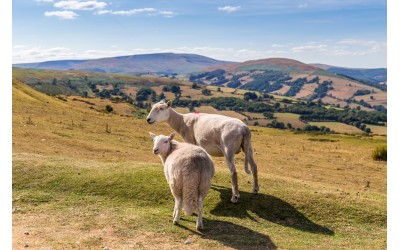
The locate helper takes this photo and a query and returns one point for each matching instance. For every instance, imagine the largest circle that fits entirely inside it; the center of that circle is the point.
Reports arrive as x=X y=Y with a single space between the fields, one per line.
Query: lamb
x=188 y=170
x=219 y=135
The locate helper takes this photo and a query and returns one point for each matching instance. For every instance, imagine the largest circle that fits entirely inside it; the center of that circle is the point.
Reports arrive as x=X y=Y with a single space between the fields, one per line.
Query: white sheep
x=188 y=170
x=219 y=135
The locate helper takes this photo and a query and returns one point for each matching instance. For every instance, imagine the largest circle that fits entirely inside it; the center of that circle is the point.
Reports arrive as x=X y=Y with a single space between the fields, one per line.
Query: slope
x=75 y=185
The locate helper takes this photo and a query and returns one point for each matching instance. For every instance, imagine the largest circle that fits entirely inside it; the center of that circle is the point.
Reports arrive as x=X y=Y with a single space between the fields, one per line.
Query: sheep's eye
x=161 y=108
x=165 y=141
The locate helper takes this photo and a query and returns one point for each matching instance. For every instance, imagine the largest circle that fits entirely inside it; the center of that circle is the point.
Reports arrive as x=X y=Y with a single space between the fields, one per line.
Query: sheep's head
x=159 y=112
x=161 y=143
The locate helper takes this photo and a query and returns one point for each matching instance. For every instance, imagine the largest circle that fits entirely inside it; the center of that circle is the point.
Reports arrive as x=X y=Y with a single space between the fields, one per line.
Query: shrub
x=380 y=153
x=109 y=108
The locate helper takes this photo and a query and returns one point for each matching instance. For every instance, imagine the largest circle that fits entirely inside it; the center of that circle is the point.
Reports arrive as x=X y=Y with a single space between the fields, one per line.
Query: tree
x=250 y=96
x=109 y=108
x=206 y=92
x=161 y=96
x=195 y=86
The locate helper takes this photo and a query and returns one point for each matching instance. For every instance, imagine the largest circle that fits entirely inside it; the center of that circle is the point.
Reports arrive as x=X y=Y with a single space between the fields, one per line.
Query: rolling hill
x=294 y=79
x=376 y=76
x=78 y=185
x=167 y=63
x=276 y=64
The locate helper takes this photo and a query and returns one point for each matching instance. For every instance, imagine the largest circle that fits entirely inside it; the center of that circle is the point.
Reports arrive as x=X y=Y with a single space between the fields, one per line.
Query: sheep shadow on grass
x=233 y=236
x=267 y=207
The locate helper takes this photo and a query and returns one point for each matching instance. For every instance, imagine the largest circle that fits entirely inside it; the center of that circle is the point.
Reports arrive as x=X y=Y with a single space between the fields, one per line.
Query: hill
x=57 y=65
x=374 y=76
x=165 y=63
x=77 y=184
x=276 y=64
x=252 y=107
x=295 y=79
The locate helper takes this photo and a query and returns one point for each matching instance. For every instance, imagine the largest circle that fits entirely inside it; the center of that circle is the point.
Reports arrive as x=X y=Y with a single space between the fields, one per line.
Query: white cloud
x=310 y=48
x=167 y=13
x=62 y=14
x=128 y=12
x=148 y=11
x=229 y=8
x=76 y=5
x=44 y=1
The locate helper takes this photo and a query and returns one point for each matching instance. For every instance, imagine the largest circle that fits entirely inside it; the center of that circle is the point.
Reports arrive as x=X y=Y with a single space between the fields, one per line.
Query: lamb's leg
x=177 y=209
x=230 y=161
x=199 y=223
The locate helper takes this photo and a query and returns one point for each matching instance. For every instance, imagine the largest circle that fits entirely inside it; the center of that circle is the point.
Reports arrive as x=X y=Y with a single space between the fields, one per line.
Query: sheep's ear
x=171 y=136
x=152 y=135
x=162 y=101
x=169 y=103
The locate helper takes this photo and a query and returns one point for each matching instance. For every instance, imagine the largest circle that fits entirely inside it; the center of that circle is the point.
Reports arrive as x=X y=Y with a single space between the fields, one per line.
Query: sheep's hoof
x=199 y=227
x=235 y=199
x=255 y=191
x=176 y=222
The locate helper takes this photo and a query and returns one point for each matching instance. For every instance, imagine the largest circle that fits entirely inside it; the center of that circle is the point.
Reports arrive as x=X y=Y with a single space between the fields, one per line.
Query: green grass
x=135 y=197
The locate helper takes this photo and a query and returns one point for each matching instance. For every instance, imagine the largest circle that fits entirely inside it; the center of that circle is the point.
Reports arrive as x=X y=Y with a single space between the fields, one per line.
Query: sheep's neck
x=175 y=121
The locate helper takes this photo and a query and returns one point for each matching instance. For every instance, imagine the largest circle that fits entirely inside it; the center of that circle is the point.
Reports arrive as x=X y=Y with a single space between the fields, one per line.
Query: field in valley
x=87 y=179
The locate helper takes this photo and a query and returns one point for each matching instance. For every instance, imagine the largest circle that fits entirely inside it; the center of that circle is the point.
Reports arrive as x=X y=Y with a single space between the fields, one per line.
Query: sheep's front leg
x=177 y=209
x=199 y=223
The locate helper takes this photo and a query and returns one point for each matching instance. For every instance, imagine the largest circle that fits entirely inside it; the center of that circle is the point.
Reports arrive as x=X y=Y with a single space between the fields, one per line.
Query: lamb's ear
x=162 y=101
x=171 y=136
x=169 y=103
x=152 y=135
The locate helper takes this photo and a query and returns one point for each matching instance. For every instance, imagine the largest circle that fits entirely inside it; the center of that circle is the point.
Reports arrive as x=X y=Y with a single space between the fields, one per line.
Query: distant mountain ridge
x=146 y=63
x=374 y=76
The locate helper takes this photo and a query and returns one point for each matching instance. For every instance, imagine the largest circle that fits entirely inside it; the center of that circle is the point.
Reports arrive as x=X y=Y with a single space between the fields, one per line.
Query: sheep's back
x=189 y=159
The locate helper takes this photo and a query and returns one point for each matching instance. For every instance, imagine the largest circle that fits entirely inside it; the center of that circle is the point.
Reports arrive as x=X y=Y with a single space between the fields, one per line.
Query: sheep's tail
x=248 y=152
x=190 y=193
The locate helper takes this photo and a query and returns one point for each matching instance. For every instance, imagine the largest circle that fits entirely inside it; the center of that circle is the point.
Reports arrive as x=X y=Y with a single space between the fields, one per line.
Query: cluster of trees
x=295 y=86
x=321 y=90
x=144 y=93
x=362 y=92
x=250 y=96
x=217 y=76
x=268 y=81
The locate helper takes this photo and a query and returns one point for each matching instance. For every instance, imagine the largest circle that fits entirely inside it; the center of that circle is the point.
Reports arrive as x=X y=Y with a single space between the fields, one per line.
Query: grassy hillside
x=126 y=88
x=77 y=185
x=294 y=79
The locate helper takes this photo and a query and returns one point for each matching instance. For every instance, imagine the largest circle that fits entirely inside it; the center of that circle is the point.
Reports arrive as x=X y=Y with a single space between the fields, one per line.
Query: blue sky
x=348 y=33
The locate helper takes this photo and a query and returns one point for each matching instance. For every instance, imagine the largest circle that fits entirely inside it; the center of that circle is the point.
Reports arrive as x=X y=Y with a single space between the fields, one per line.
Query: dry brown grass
x=290 y=118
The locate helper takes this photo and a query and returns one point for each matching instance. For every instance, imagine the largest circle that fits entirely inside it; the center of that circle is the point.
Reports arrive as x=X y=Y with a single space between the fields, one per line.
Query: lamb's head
x=161 y=143
x=159 y=112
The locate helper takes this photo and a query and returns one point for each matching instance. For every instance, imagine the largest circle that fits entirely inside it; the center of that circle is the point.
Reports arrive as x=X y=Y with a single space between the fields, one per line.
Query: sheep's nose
x=155 y=151
x=148 y=120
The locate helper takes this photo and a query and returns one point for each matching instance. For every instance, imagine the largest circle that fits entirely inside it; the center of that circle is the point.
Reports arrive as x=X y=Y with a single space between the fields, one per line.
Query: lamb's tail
x=190 y=192
x=248 y=152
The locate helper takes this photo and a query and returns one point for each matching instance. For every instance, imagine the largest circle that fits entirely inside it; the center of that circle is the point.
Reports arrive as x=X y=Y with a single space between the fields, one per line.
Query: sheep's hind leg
x=177 y=209
x=230 y=161
x=199 y=223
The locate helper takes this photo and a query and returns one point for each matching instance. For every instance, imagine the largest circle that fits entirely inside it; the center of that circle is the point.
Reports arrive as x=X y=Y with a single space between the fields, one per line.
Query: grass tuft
x=380 y=153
